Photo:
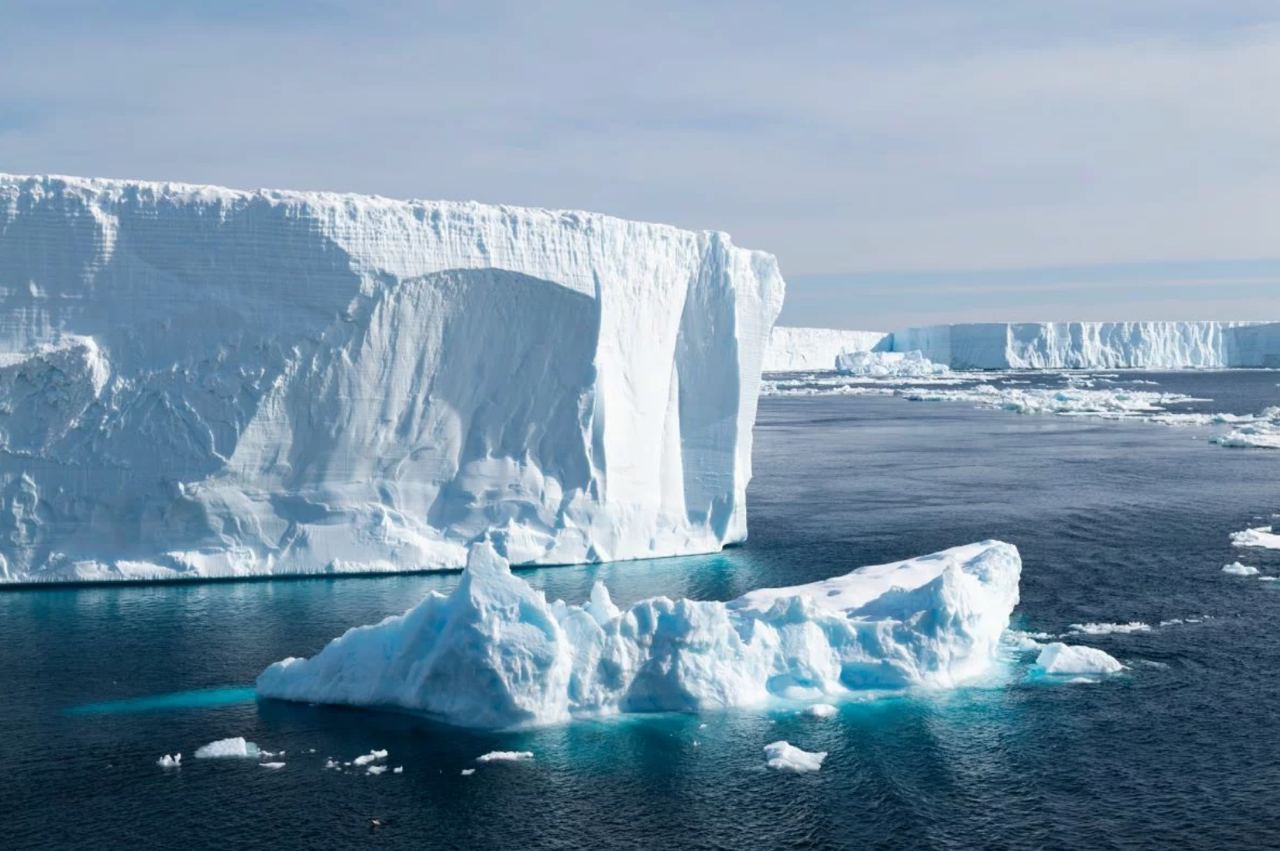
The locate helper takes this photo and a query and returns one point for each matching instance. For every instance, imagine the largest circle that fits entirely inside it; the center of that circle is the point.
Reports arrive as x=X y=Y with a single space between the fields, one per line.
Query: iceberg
x=1238 y=569
x=204 y=382
x=495 y=653
x=784 y=756
x=816 y=349
x=1069 y=660
x=234 y=748
x=888 y=365
x=1095 y=345
x=170 y=761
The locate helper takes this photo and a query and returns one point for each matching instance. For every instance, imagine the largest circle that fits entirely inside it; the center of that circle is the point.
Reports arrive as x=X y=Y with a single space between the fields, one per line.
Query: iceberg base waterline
x=495 y=653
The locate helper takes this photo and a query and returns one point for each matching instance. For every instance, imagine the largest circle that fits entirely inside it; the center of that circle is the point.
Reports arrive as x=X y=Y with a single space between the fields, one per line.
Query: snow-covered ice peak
x=495 y=653
x=278 y=382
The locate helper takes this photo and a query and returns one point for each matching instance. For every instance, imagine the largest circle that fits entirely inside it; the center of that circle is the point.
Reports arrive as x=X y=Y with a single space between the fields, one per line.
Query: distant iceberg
x=793 y=349
x=203 y=382
x=888 y=365
x=495 y=653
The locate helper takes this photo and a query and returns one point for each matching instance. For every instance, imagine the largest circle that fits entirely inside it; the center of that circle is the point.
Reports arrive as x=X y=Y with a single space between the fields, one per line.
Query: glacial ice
x=784 y=756
x=1058 y=659
x=815 y=349
x=200 y=382
x=1095 y=345
x=234 y=748
x=495 y=653
x=888 y=365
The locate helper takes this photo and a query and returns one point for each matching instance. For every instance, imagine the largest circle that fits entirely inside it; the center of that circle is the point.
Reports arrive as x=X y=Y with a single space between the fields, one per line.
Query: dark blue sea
x=1116 y=522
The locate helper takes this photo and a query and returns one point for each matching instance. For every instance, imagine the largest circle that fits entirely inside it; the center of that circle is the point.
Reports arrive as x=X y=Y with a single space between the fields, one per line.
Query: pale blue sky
x=907 y=161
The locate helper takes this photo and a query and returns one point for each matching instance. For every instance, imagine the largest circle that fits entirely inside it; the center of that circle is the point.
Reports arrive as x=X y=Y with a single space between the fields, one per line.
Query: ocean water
x=1116 y=522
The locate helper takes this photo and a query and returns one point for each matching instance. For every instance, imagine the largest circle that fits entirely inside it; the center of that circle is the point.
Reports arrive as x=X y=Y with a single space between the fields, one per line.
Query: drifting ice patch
x=371 y=756
x=273 y=766
x=784 y=756
x=1109 y=628
x=1262 y=537
x=1238 y=569
x=888 y=365
x=505 y=756
x=495 y=653
x=1058 y=659
x=167 y=761
x=235 y=748
x=820 y=710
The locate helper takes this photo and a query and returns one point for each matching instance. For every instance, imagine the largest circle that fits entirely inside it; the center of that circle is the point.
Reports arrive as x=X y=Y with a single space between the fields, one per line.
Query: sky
x=908 y=162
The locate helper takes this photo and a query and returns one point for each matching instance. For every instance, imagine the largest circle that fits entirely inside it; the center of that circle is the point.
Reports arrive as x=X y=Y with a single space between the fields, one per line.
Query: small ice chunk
x=1109 y=628
x=272 y=765
x=371 y=756
x=784 y=756
x=1238 y=569
x=1058 y=659
x=376 y=769
x=330 y=762
x=820 y=710
x=168 y=761
x=505 y=756
x=234 y=748
x=467 y=772
x=399 y=769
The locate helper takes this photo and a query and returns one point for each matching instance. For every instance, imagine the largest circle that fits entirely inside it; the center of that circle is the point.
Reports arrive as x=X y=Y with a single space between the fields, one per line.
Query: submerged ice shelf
x=203 y=382
x=495 y=653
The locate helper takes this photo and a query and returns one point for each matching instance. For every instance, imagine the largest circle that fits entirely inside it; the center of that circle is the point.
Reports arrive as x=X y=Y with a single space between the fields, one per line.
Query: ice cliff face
x=1095 y=345
x=496 y=653
x=196 y=381
x=803 y=349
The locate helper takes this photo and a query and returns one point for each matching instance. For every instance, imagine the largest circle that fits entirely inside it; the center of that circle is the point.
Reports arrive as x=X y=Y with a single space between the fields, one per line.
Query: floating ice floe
x=1109 y=628
x=399 y=769
x=467 y=772
x=820 y=710
x=168 y=761
x=274 y=766
x=1058 y=659
x=234 y=748
x=1262 y=537
x=784 y=756
x=496 y=653
x=505 y=756
x=888 y=365
x=1238 y=569
x=376 y=769
x=371 y=756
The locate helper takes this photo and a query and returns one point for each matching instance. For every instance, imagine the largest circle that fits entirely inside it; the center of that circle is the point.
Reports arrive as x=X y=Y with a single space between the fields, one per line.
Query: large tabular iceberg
x=196 y=381
x=1095 y=345
x=808 y=349
x=495 y=653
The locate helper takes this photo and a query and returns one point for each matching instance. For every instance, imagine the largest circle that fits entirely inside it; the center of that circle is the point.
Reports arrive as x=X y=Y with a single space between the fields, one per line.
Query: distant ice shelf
x=202 y=382
x=495 y=653
x=1042 y=345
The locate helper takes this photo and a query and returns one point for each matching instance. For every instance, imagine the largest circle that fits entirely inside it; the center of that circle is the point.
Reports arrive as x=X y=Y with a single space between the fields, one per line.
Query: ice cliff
x=1095 y=345
x=803 y=349
x=496 y=653
x=196 y=381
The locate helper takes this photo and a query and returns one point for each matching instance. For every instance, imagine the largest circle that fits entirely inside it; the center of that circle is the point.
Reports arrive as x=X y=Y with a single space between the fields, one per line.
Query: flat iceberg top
x=495 y=653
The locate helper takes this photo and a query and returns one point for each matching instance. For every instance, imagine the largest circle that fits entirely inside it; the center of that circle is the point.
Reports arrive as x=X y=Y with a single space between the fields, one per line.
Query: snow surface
x=282 y=383
x=234 y=748
x=1238 y=569
x=495 y=653
x=810 y=349
x=784 y=756
x=1058 y=659
x=888 y=364
x=1095 y=345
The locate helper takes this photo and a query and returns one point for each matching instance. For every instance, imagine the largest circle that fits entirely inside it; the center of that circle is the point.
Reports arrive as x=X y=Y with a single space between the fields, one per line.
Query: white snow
x=820 y=710
x=278 y=382
x=234 y=748
x=816 y=349
x=505 y=756
x=371 y=756
x=170 y=761
x=888 y=365
x=1095 y=345
x=1238 y=569
x=495 y=653
x=1058 y=659
x=783 y=756
x=1109 y=628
